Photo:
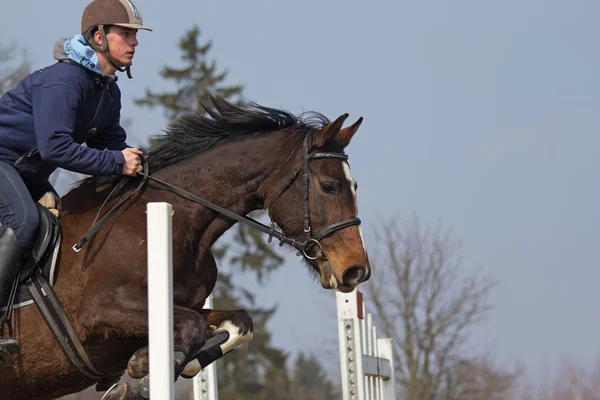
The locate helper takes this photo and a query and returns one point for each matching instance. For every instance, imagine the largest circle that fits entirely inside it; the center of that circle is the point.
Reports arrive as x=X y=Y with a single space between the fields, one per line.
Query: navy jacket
x=45 y=120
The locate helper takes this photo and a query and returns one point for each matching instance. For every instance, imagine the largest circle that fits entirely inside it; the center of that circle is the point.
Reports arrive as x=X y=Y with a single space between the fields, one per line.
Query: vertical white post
x=366 y=362
x=349 y=327
x=375 y=393
x=160 y=300
x=205 y=383
x=385 y=349
x=370 y=381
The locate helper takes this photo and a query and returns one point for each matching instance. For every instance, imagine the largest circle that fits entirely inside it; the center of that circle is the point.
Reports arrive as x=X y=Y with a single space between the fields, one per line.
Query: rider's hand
x=133 y=163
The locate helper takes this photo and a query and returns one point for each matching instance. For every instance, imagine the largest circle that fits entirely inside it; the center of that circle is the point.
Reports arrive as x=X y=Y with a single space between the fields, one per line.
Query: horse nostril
x=354 y=275
x=366 y=278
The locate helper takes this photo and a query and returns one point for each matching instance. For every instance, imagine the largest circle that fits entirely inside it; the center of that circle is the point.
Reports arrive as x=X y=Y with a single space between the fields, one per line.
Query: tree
x=477 y=379
x=426 y=307
x=11 y=69
x=257 y=370
x=310 y=380
x=572 y=382
x=195 y=81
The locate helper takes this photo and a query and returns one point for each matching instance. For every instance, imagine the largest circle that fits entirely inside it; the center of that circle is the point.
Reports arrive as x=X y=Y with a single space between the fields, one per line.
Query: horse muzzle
x=355 y=275
x=350 y=278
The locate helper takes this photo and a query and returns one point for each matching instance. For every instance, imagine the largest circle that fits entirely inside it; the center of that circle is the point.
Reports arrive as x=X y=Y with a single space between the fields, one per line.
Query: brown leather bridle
x=302 y=247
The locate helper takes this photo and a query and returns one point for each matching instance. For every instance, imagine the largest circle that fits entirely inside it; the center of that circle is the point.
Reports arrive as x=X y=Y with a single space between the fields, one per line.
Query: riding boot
x=11 y=257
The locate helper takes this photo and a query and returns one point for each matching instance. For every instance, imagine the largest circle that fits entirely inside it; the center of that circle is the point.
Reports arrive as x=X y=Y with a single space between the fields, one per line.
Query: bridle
x=302 y=247
x=328 y=229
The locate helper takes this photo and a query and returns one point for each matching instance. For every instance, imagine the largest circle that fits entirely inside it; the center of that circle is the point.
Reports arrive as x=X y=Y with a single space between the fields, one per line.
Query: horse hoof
x=191 y=369
x=121 y=391
x=138 y=365
x=144 y=387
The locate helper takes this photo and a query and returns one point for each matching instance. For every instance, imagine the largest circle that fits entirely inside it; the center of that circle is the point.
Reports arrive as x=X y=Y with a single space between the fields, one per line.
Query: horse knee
x=196 y=326
x=190 y=332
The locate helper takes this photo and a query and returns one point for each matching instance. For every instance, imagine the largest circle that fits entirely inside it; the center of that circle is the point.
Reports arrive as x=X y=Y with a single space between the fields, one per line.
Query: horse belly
x=41 y=370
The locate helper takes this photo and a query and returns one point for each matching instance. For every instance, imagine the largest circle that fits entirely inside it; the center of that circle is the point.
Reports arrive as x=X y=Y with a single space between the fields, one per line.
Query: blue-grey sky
x=479 y=113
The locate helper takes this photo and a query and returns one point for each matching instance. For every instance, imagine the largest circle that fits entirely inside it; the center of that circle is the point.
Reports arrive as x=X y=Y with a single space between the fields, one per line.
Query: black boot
x=11 y=257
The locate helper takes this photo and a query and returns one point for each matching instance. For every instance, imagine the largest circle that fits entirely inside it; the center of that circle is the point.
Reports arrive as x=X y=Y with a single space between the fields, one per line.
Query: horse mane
x=193 y=133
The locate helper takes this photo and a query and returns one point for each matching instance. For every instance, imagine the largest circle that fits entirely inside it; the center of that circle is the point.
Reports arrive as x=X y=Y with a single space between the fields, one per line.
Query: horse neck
x=228 y=175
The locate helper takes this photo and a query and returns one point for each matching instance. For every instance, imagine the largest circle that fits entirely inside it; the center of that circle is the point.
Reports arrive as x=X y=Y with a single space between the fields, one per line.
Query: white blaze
x=351 y=180
x=352 y=184
x=362 y=238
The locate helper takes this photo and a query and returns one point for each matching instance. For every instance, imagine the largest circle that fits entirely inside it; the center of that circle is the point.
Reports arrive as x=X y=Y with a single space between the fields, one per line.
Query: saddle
x=42 y=257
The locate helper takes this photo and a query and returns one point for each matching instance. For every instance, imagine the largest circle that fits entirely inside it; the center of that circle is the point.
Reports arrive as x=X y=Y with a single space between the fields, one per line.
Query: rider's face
x=122 y=43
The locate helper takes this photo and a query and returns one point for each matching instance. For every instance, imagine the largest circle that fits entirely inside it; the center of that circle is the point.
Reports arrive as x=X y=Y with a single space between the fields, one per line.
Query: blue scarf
x=78 y=50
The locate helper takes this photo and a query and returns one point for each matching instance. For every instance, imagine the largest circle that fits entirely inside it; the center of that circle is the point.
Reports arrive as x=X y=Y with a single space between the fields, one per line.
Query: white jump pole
x=205 y=383
x=160 y=300
x=351 y=345
x=366 y=361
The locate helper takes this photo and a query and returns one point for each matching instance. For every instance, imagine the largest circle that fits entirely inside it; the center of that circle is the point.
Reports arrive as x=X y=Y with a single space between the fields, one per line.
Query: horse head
x=312 y=197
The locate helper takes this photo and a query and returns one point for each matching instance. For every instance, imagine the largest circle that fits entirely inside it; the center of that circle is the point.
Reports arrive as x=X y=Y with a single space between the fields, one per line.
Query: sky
x=478 y=114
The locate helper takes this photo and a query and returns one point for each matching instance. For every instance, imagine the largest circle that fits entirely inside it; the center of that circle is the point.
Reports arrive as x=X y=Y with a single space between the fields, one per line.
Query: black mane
x=193 y=133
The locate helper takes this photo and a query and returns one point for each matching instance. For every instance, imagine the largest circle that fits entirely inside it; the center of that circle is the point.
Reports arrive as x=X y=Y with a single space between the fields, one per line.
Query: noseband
x=302 y=247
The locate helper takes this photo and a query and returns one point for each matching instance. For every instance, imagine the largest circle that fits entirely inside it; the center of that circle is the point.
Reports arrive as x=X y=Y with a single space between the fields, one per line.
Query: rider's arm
x=54 y=114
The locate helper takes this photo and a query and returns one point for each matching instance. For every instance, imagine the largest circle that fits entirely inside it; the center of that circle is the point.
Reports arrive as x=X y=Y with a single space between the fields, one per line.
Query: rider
x=65 y=115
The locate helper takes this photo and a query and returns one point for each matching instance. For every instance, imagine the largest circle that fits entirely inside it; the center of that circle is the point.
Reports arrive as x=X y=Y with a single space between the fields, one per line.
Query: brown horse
x=240 y=159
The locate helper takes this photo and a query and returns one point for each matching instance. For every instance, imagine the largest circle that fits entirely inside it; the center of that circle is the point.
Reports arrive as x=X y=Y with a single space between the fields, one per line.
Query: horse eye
x=328 y=187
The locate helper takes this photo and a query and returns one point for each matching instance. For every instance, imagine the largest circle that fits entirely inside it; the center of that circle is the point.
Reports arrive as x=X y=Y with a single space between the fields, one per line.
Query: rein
x=302 y=247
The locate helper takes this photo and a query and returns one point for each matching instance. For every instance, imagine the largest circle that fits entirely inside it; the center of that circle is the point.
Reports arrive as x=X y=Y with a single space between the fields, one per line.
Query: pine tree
x=195 y=81
x=250 y=370
x=310 y=381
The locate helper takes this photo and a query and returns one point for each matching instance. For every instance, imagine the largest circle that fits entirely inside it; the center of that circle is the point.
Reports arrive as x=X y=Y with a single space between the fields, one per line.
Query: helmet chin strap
x=105 y=50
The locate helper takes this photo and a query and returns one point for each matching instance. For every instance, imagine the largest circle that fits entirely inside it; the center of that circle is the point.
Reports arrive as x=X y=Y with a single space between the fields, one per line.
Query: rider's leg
x=11 y=255
x=19 y=221
x=17 y=207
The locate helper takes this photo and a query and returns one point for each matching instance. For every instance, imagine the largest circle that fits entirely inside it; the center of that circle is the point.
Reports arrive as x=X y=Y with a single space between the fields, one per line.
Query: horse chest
x=194 y=281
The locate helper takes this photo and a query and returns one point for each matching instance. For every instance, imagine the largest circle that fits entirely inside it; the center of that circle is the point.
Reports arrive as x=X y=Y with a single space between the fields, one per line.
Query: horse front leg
x=237 y=323
x=128 y=316
x=190 y=334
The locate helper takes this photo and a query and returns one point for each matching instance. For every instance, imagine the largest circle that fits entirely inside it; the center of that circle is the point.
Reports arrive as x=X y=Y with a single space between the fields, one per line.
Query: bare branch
x=12 y=67
x=427 y=307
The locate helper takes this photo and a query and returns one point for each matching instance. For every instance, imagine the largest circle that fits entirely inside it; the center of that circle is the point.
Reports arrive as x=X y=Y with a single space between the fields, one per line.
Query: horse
x=238 y=159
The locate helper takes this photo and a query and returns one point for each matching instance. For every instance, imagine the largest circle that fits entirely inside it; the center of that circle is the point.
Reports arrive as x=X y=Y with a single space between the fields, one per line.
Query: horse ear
x=329 y=131
x=345 y=135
